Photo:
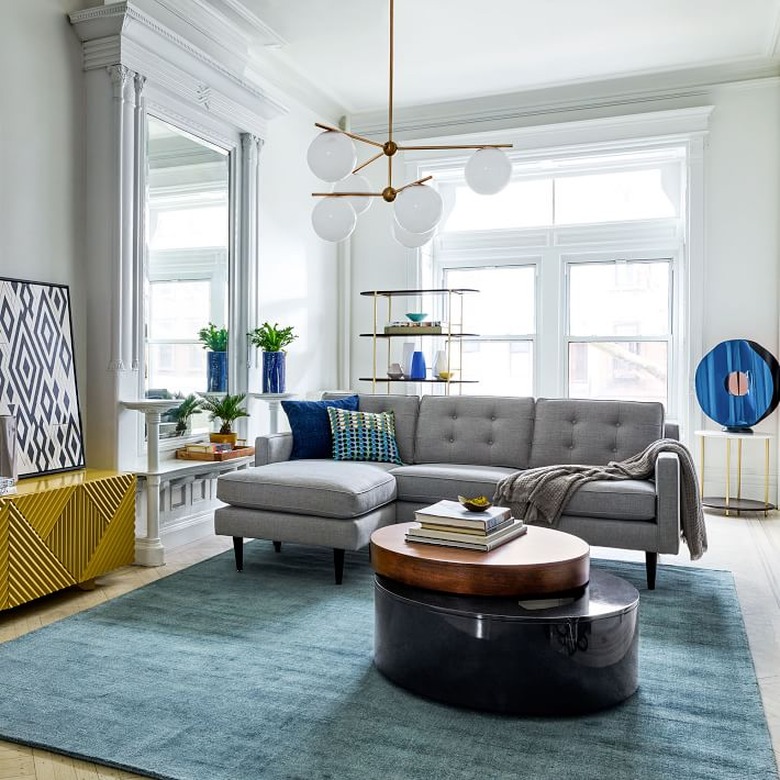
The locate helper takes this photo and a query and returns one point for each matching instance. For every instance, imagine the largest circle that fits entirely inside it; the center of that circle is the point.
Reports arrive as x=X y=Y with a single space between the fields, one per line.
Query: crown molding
x=263 y=34
x=276 y=76
x=593 y=100
x=208 y=22
x=122 y=33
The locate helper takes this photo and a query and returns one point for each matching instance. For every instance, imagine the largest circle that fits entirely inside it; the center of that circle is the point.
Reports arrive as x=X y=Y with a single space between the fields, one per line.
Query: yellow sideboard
x=64 y=529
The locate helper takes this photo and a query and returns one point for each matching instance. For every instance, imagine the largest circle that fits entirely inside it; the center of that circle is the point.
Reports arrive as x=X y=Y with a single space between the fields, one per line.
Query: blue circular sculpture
x=738 y=384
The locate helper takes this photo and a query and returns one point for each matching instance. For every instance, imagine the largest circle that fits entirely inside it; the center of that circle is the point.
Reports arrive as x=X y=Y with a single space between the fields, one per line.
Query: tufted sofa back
x=593 y=432
x=517 y=432
x=479 y=430
x=405 y=408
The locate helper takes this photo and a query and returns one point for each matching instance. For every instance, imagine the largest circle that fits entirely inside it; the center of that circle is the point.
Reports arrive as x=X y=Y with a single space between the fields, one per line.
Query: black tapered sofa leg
x=338 y=565
x=277 y=547
x=651 y=564
x=238 y=549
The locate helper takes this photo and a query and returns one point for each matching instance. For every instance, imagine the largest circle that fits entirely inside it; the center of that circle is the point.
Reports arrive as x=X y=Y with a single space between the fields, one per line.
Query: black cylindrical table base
x=505 y=655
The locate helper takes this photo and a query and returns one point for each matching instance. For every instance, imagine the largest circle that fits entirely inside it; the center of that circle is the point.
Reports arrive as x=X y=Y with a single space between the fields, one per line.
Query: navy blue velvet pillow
x=310 y=426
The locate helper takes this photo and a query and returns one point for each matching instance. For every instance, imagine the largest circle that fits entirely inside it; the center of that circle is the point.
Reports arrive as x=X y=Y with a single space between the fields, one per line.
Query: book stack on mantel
x=448 y=524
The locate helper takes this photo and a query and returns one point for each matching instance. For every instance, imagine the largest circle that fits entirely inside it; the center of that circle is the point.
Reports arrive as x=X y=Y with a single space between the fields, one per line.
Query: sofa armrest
x=273 y=448
x=671 y=430
x=667 y=489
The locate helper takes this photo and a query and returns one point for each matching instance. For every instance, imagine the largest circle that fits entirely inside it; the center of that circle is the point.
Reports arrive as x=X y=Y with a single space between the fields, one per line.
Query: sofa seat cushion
x=629 y=499
x=430 y=482
x=324 y=488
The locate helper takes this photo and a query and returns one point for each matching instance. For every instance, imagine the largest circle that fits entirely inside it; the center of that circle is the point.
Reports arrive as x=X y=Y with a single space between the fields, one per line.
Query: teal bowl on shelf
x=416 y=316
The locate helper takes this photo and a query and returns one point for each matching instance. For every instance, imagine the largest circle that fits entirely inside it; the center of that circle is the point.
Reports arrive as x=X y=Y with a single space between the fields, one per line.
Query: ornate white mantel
x=136 y=62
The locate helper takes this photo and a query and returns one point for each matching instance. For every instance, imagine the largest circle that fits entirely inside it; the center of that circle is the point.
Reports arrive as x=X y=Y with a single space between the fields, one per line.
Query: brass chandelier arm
x=368 y=162
x=347 y=194
x=456 y=146
x=413 y=183
x=350 y=135
x=389 y=149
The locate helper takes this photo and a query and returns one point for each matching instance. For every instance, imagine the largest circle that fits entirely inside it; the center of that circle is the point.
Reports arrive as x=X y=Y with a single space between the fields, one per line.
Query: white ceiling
x=453 y=49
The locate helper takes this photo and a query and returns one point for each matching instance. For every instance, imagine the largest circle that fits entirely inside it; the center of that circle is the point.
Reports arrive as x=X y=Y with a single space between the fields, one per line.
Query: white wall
x=41 y=152
x=298 y=272
x=743 y=244
x=379 y=262
x=743 y=203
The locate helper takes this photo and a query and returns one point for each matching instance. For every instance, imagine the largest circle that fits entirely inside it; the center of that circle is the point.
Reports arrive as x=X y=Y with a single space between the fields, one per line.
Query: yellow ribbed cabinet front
x=62 y=529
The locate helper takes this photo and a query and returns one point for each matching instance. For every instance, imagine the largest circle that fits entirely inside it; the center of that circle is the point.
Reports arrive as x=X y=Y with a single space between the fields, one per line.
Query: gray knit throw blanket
x=540 y=494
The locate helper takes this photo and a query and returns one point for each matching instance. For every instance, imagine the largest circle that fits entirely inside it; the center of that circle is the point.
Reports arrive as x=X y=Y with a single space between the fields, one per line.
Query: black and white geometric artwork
x=38 y=376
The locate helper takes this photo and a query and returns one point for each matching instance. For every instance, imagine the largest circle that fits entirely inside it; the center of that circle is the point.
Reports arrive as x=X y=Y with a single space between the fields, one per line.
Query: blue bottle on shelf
x=418 y=366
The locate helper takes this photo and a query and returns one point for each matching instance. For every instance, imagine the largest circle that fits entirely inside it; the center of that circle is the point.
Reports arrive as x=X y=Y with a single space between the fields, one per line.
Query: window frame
x=551 y=249
x=533 y=262
x=566 y=338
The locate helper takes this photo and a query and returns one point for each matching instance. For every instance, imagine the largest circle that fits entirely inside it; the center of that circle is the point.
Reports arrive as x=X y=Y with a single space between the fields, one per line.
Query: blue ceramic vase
x=419 y=368
x=274 y=372
x=216 y=372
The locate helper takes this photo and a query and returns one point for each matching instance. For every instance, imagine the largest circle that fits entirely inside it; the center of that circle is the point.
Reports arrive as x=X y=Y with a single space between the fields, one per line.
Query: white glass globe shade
x=355 y=183
x=418 y=209
x=411 y=240
x=488 y=171
x=331 y=156
x=334 y=219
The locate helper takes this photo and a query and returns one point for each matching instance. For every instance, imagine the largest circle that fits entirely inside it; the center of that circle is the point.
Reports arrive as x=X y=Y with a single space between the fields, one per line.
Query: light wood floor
x=748 y=545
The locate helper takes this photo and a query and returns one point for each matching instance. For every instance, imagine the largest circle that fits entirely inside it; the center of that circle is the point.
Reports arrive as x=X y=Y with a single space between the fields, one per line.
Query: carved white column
x=120 y=78
x=247 y=260
x=139 y=234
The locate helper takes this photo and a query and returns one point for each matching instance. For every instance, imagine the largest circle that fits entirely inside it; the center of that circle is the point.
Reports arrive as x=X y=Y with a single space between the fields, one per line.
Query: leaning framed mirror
x=186 y=271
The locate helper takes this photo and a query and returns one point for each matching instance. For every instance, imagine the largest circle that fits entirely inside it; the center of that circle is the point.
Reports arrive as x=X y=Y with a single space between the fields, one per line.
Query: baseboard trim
x=191 y=529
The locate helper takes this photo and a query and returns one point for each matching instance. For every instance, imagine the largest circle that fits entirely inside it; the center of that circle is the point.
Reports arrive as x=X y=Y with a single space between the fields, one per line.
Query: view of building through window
x=505 y=311
x=619 y=330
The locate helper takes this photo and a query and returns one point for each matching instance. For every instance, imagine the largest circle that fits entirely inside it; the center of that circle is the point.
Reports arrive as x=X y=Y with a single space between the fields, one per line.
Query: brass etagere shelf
x=454 y=334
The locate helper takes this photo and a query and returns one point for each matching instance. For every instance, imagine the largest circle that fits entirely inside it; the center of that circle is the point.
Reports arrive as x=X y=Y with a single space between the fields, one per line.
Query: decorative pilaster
x=251 y=146
x=139 y=190
x=119 y=75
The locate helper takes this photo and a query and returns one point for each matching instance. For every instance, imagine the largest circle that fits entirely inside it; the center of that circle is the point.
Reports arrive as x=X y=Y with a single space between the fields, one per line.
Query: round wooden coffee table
x=541 y=562
x=525 y=629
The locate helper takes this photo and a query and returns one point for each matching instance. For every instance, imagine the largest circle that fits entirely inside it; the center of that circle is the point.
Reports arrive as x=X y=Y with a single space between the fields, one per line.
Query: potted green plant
x=272 y=339
x=184 y=411
x=216 y=340
x=227 y=409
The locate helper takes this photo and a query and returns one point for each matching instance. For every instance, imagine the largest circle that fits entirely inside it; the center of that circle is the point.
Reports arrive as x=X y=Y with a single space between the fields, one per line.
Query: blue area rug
x=213 y=675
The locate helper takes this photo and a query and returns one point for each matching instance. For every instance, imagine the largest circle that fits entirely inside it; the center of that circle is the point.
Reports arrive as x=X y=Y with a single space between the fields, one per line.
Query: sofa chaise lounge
x=461 y=445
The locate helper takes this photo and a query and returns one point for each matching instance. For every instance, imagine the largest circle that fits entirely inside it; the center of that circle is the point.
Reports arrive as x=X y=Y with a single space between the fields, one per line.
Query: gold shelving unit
x=452 y=310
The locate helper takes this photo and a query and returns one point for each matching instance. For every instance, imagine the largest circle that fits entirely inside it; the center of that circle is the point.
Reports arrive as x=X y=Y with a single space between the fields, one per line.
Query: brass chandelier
x=332 y=157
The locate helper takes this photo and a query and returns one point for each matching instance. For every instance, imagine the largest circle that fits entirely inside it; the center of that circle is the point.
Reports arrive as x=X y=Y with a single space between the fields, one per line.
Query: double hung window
x=576 y=263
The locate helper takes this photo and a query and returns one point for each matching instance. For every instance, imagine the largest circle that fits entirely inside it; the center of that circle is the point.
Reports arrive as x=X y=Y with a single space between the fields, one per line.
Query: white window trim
x=687 y=128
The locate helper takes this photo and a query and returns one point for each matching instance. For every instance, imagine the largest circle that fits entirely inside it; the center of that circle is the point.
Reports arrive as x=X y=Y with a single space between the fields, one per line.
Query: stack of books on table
x=449 y=524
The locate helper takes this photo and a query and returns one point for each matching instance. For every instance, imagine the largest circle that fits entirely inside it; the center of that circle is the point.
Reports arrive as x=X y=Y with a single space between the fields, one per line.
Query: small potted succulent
x=227 y=409
x=272 y=339
x=216 y=340
x=184 y=411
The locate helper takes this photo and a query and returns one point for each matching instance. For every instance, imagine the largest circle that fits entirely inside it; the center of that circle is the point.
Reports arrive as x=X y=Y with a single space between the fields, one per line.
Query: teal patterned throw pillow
x=363 y=436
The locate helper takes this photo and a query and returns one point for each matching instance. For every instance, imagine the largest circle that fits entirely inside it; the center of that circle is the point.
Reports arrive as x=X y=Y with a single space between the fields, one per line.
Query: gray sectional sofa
x=461 y=445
